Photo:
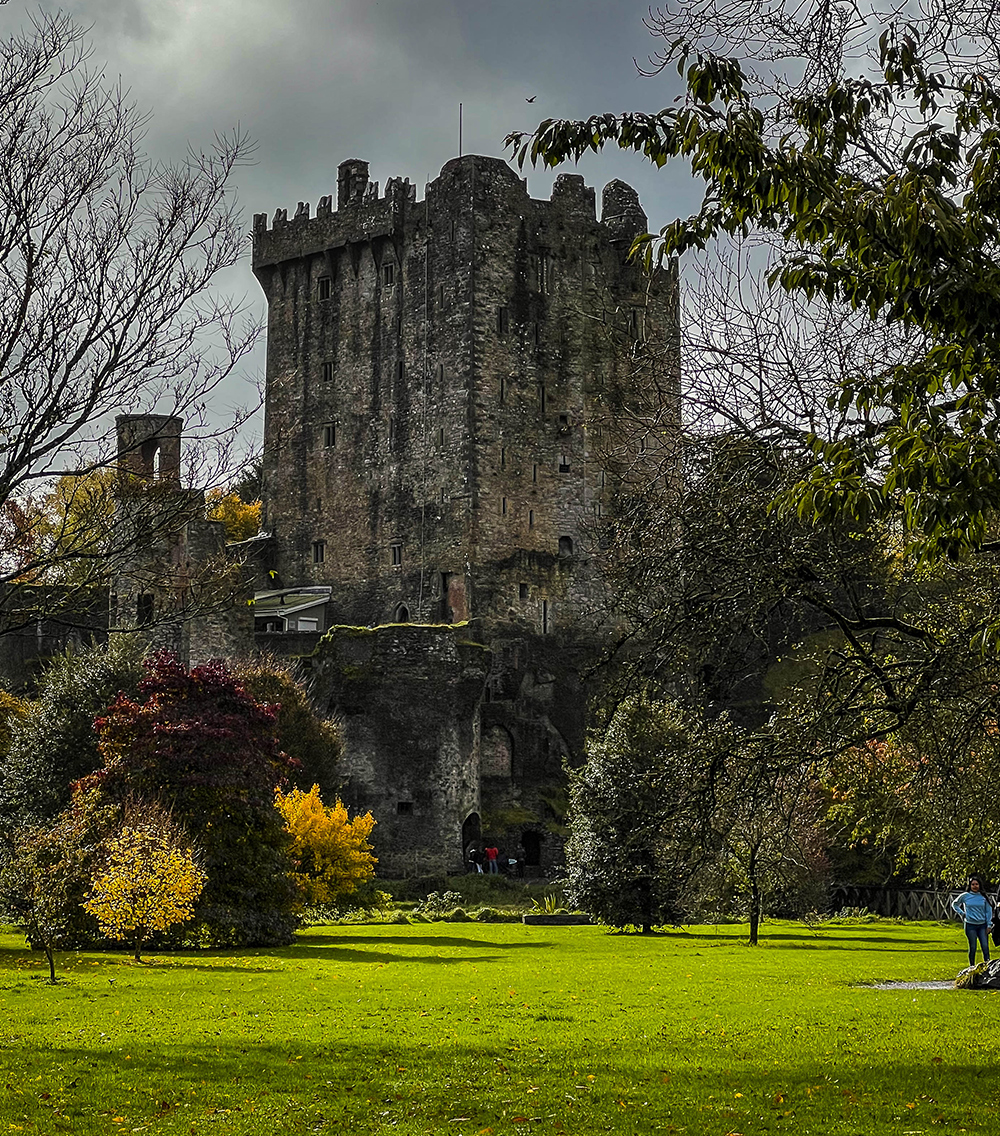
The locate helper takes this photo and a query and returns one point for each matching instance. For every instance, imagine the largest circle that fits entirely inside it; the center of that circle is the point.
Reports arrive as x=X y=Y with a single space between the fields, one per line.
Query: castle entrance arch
x=531 y=842
x=472 y=833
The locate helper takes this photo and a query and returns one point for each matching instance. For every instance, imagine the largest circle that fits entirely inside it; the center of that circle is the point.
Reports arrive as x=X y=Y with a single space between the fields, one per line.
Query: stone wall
x=458 y=391
x=436 y=373
x=408 y=701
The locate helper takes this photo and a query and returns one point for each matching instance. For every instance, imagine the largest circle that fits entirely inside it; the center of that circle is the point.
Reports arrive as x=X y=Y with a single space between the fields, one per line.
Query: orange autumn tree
x=334 y=860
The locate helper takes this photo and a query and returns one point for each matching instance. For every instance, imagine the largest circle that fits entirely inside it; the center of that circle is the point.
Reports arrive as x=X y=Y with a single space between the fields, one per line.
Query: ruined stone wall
x=407 y=699
x=175 y=581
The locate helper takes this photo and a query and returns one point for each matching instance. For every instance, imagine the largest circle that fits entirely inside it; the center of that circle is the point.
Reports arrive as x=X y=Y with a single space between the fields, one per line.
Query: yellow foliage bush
x=332 y=853
x=149 y=883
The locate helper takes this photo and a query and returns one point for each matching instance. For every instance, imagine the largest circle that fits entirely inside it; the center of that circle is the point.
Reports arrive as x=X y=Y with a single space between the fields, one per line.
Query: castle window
x=565 y=546
x=404 y=808
x=537 y=334
x=388 y=274
x=319 y=551
x=144 y=609
x=503 y=506
x=324 y=287
x=396 y=554
x=503 y=388
x=402 y=614
x=400 y=371
x=503 y=321
x=603 y=478
x=328 y=372
x=319 y=504
x=564 y=463
x=440 y=372
x=563 y=419
x=534 y=473
x=522 y=591
x=543 y=273
x=531 y=518
x=545 y=617
x=330 y=435
x=503 y=457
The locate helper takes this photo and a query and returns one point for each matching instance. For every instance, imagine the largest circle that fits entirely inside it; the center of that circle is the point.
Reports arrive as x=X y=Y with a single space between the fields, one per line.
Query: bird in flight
x=532 y=99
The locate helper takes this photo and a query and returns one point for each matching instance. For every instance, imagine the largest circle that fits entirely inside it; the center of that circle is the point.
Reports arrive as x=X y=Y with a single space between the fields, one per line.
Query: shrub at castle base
x=334 y=862
x=197 y=742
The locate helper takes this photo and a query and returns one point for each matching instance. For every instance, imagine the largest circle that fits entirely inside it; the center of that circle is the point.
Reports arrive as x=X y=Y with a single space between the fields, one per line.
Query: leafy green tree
x=196 y=741
x=639 y=813
x=54 y=743
x=43 y=872
x=876 y=175
x=312 y=742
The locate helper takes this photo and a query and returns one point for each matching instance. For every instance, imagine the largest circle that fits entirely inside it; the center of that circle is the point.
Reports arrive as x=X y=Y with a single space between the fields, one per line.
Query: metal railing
x=897 y=902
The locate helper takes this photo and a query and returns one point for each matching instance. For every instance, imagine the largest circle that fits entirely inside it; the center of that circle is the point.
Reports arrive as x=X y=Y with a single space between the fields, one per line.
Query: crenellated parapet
x=361 y=215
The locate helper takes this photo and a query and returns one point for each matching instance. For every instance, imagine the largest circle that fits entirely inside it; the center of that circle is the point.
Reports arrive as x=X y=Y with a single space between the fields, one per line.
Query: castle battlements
x=363 y=215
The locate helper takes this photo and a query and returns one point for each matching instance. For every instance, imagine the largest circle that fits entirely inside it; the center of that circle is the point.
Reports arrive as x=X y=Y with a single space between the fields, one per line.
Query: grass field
x=502 y=1028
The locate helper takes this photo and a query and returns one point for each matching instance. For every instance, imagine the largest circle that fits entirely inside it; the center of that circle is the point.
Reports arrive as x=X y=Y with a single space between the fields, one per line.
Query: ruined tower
x=439 y=377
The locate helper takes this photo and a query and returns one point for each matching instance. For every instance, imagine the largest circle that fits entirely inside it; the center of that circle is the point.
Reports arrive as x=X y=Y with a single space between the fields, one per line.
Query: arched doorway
x=472 y=833
x=402 y=614
x=531 y=842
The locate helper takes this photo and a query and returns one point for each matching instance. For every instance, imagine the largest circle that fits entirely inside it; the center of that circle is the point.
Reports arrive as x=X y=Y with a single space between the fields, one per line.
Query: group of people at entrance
x=979 y=916
x=489 y=861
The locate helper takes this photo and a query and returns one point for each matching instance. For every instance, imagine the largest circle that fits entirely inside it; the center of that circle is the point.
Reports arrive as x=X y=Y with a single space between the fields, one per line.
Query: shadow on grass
x=404 y=1083
x=420 y=940
x=346 y=954
x=805 y=937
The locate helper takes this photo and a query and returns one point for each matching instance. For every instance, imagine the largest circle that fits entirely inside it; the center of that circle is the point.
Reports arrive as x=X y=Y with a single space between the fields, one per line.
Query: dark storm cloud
x=317 y=81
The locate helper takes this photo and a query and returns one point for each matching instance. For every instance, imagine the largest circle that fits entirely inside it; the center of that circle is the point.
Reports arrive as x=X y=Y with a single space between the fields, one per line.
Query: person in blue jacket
x=977 y=914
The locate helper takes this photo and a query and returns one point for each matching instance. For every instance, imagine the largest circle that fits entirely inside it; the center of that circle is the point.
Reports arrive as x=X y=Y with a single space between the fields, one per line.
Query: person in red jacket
x=492 y=852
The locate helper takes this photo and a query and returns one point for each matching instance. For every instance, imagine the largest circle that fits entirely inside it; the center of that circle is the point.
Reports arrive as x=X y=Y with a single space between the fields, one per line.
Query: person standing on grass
x=491 y=859
x=977 y=913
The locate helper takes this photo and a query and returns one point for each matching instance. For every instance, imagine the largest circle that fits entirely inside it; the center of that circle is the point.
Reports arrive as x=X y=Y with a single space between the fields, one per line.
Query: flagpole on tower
x=459 y=129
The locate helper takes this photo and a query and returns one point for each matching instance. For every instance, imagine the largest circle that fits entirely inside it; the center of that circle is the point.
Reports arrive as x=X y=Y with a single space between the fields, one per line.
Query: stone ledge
x=575 y=920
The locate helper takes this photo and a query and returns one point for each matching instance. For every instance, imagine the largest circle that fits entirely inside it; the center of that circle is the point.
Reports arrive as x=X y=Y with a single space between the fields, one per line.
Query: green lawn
x=500 y=1028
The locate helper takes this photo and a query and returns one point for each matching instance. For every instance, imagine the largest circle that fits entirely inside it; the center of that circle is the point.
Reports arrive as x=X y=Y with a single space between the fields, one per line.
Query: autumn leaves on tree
x=191 y=827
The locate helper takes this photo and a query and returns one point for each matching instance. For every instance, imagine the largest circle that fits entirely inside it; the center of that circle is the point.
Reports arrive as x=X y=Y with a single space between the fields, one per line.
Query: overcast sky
x=318 y=81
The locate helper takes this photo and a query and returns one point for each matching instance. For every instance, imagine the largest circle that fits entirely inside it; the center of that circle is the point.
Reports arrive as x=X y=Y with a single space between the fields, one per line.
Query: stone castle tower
x=443 y=377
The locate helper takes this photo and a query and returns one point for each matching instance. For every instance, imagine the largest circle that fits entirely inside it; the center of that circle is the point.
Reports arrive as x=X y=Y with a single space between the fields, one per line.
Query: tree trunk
x=754 y=901
x=52 y=963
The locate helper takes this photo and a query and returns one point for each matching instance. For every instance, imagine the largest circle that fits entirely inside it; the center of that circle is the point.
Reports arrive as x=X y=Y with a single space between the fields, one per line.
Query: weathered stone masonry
x=437 y=374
